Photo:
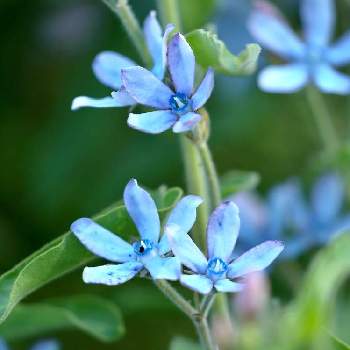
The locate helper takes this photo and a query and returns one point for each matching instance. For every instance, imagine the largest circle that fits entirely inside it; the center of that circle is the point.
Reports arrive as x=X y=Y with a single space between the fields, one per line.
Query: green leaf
x=180 y=343
x=65 y=253
x=96 y=316
x=237 y=181
x=338 y=343
x=212 y=52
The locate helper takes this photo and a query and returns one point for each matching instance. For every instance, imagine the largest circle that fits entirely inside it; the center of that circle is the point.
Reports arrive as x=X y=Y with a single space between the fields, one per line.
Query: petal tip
x=78 y=226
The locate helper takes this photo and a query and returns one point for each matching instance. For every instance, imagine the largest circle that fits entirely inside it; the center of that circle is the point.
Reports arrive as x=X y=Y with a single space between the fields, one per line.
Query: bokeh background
x=58 y=165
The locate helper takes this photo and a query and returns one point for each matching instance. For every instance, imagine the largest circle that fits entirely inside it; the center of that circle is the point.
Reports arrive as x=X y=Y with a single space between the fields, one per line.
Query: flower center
x=217 y=267
x=179 y=103
x=143 y=247
x=314 y=55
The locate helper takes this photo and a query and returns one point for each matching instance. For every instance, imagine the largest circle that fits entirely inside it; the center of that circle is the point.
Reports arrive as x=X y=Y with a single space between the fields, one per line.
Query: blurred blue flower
x=146 y=253
x=220 y=268
x=107 y=67
x=48 y=344
x=174 y=109
x=287 y=216
x=311 y=61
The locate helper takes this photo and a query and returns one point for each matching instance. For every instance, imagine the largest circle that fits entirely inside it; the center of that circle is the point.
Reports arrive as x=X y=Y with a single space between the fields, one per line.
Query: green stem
x=323 y=120
x=126 y=15
x=204 y=334
x=169 y=12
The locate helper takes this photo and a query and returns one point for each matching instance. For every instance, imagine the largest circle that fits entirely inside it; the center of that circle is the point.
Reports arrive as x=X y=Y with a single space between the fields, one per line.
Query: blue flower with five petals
x=107 y=67
x=219 y=269
x=149 y=252
x=177 y=106
x=311 y=61
x=41 y=345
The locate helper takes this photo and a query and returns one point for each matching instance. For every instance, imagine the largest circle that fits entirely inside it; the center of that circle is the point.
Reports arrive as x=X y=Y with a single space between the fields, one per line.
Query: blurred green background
x=58 y=165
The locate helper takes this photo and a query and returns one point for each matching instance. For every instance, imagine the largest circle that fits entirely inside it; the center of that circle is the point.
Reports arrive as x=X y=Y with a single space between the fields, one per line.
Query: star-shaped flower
x=147 y=253
x=219 y=269
x=107 y=67
x=176 y=106
x=311 y=61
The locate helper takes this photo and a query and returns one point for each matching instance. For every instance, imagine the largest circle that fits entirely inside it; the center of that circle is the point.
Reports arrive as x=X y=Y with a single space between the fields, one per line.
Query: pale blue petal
x=255 y=259
x=3 y=345
x=327 y=198
x=271 y=31
x=85 y=101
x=153 y=36
x=330 y=81
x=164 y=268
x=164 y=245
x=101 y=242
x=227 y=286
x=198 y=283
x=186 y=122
x=123 y=98
x=146 y=88
x=142 y=210
x=181 y=64
x=152 y=122
x=204 y=90
x=107 y=67
x=185 y=249
x=318 y=17
x=222 y=231
x=48 y=344
x=339 y=53
x=283 y=78
x=111 y=275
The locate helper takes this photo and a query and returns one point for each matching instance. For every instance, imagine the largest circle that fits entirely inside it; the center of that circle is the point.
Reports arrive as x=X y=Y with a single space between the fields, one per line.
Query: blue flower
x=176 y=108
x=107 y=67
x=48 y=344
x=219 y=269
x=146 y=253
x=311 y=61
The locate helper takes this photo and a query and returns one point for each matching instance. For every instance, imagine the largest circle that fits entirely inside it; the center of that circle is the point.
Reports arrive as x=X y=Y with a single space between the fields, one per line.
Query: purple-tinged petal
x=198 y=283
x=185 y=249
x=123 y=98
x=107 y=67
x=146 y=88
x=186 y=122
x=105 y=102
x=101 y=242
x=227 y=286
x=327 y=198
x=271 y=31
x=318 y=17
x=164 y=268
x=3 y=345
x=255 y=259
x=143 y=211
x=222 y=231
x=48 y=344
x=181 y=64
x=204 y=90
x=338 y=54
x=283 y=78
x=152 y=122
x=330 y=81
x=111 y=275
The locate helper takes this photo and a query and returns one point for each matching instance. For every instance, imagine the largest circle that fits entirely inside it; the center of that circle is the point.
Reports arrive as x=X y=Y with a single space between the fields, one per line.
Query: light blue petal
x=198 y=283
x=255 y=259
x=327 y=198
x=318 y=17
x=222 y=231
x=123 y=98
x=146 y=88
x=204 y=90
x=107 y=67
x=152 y=122
x=270 y=30
x=3 y=345
x=111 y=275
x=339 y=53
x=181 y=64
x=101 y=242
x=227 y=286
x=185 y=249
x=85 y=101
x=164 y=245
x=164 y=268
x=142 y=210
x=330 y=81
x=186 y=122
x=153 y=36
x=283 y=78
x=48 y=344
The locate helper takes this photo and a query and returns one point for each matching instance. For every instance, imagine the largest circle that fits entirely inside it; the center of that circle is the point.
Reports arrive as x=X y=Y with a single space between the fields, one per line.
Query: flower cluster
x=41 y=345
x=153 y=253
x=311 y=61
x=286 y=215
